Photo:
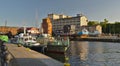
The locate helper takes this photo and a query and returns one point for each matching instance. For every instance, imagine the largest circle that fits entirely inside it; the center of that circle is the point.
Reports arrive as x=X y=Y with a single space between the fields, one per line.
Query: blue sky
x=23 y=12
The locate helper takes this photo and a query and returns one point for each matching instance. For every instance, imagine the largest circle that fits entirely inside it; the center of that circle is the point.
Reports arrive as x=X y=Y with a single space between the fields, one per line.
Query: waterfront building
x=47 y=26
x=59 y=21
x=57 y=16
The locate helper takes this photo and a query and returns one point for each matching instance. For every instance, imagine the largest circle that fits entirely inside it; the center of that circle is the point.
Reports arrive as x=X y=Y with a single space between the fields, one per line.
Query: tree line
x=107 y=27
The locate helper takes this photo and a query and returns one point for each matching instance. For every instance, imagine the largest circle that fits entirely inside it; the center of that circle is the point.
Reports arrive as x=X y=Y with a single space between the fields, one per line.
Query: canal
x=84 y=53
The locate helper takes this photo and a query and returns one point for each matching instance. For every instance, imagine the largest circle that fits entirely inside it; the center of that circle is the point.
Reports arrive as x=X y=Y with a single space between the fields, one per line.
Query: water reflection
x=79 y=52
x=94 y=54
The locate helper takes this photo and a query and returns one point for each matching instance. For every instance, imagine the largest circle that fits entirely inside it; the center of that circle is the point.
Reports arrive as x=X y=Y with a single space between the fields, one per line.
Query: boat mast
x=24 y=28
x=36 y=17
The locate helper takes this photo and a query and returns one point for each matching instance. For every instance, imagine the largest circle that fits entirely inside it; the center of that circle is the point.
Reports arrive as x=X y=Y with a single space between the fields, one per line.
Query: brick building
x=47 y=26
x=6 y=29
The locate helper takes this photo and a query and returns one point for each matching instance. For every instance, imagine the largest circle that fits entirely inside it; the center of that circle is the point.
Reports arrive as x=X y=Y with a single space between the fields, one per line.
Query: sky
x=27 y=12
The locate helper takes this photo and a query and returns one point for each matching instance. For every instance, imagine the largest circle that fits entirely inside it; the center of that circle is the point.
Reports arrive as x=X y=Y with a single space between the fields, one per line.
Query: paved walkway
x=27 y=57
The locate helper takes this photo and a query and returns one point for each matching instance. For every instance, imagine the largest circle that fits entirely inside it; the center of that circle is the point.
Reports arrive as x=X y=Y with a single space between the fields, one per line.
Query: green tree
x=91 y=23
x=104 y=25
x=105 y=22
x=117 y=27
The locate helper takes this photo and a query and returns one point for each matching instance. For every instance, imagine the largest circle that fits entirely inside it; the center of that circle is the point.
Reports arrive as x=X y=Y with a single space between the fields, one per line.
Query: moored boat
x=26 y=41
x=57 y=48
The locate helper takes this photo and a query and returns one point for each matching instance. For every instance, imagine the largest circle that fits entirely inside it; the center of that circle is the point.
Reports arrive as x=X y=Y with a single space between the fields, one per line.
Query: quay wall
x=22 y=56
x=101 y=39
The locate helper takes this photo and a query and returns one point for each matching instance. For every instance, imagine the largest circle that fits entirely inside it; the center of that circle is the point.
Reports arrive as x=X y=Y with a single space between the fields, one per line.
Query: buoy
x=66 y=62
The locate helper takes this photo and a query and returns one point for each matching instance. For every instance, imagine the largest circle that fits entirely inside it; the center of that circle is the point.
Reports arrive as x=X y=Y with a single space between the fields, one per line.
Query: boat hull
x=56 y=51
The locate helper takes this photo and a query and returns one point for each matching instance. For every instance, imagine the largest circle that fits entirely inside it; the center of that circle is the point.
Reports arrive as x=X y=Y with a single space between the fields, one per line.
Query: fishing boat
x=54 y=47
x=26 y=41
x=57 y=48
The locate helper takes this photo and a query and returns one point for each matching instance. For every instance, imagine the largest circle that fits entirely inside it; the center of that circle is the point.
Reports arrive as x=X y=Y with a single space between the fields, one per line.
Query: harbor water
x=84 y=53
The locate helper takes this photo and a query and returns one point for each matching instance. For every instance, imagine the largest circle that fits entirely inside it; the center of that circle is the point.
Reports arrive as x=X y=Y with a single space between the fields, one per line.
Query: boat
x=57 y=48
x=25 y=40
x=54 y=47
x=83 y=33
x=44 y=39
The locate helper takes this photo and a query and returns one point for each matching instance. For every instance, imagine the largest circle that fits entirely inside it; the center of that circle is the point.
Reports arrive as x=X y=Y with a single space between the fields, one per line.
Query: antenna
x=5 y=23
x=36 y=17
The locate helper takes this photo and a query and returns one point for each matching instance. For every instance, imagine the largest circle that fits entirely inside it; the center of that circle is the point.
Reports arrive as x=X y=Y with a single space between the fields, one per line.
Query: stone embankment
x=101 y=39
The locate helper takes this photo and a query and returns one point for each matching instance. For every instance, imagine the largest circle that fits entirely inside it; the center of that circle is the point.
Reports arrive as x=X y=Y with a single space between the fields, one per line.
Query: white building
x=58 y=21
x=57 y=16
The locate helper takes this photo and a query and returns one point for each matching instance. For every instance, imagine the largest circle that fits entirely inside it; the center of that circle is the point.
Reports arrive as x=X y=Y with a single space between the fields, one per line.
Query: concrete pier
x=22 y=56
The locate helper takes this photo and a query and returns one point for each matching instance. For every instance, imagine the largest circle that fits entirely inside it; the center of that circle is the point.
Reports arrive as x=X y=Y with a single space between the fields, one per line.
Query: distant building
x=31 y=30
x=47 y=26
x=6 y=29
x=57 y=16
x=59 y=21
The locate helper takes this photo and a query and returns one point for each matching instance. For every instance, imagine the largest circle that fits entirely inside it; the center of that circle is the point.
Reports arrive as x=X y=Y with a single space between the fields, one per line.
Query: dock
x=22 y=56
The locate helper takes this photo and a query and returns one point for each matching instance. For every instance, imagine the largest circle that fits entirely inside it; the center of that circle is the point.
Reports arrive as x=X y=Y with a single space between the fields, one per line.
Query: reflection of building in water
x=79 y=49
x=79 y=53
x=96 y=53
x=96 y=47
x=83 y=50
x=86 y=53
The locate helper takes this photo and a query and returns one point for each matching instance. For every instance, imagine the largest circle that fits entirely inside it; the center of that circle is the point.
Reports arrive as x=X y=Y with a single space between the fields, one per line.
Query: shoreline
x=100 y=39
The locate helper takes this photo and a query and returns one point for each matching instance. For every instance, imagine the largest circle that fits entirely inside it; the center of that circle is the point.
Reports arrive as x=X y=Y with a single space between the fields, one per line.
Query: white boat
x=27 y=41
